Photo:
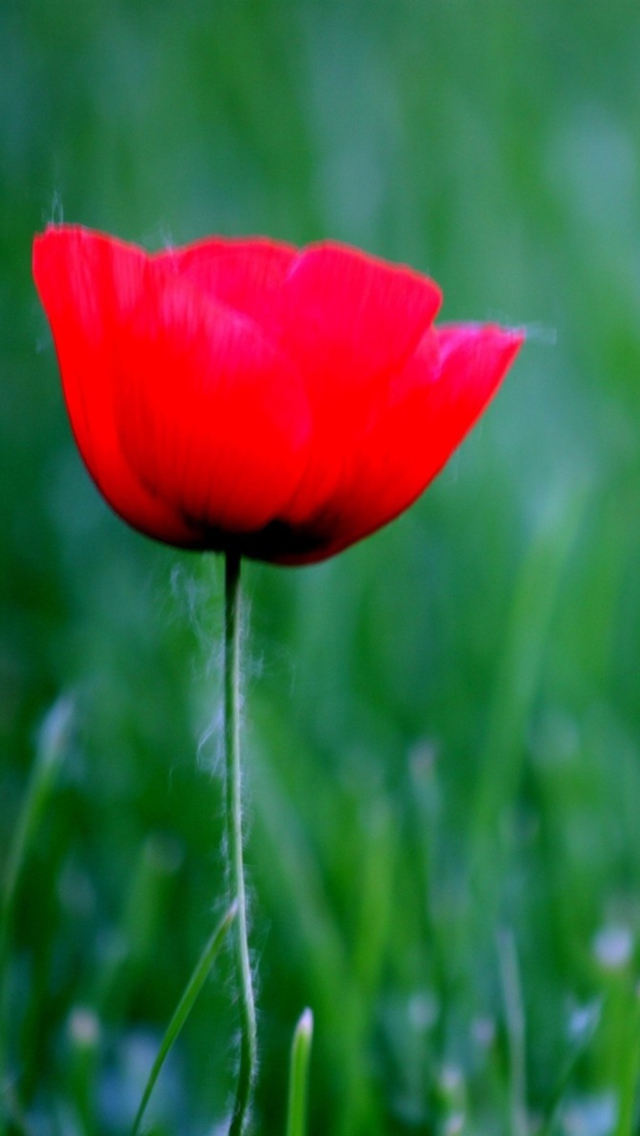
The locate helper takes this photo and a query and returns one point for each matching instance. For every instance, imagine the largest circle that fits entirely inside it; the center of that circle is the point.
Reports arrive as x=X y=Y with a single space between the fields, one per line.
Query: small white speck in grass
x=483 y=1032
x=594 y=1115
x=583 y=1019
x=451 y=1080
x=422 y=759
x=613 y=946
x=454 y=1124
x=84 y=1028
x=452 y=1094
x=423 y=1010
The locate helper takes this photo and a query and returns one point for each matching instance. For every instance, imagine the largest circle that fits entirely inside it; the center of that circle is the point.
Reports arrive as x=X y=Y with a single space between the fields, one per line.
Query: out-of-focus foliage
x=443 y=735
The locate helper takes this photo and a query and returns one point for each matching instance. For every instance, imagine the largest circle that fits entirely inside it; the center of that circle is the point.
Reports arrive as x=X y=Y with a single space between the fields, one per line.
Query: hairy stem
x=235 y=868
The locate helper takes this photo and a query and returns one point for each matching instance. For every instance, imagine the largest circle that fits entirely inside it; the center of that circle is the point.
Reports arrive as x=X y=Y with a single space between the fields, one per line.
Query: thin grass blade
x=518 y=678
x=515 y=1022
x=53 y=744
x=184 y=1007
x=581 y=1045
x=299 y=1075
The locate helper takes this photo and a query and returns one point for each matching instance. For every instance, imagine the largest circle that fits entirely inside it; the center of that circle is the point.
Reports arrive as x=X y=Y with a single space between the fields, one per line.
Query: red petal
x=235 y=392
x=360 y=313
x=211 y=415
x=349 y=321
x=87 y=284
x=433 y=404
x=239 y=273
x=474 y=360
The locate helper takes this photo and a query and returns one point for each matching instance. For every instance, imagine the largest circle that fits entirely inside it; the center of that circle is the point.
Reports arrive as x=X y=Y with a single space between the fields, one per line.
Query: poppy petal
x=342 y=309
x=87 y=283
x=348 y=321
x=433 y=405
x=238 y=394
x=239 y=273
x=211 y=415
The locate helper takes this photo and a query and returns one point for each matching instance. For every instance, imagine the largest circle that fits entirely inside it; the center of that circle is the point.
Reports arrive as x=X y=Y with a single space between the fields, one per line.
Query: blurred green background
x=443 y=734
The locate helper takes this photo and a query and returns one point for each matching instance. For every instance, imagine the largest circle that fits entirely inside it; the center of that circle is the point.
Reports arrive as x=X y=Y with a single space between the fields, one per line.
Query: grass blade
x=53 y=744
x=518 y=678
x=299 y=1075
x=183 y=1009
x=581 y=1045
x=515 y=1022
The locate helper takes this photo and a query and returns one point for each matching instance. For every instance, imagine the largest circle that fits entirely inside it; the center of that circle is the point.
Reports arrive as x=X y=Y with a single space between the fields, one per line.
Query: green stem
x=235 y=868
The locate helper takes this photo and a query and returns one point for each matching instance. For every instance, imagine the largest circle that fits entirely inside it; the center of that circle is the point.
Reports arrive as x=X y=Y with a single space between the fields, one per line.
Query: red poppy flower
x=242 y=394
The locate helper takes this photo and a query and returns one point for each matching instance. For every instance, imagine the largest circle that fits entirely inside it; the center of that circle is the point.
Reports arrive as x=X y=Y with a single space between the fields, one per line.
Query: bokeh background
x=443 y=724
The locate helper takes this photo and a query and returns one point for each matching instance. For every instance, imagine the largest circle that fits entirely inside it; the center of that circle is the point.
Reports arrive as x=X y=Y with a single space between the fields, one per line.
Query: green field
x=442 y=735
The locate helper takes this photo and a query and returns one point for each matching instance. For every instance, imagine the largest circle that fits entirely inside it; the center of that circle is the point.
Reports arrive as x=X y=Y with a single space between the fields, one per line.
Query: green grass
x=443 y=724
